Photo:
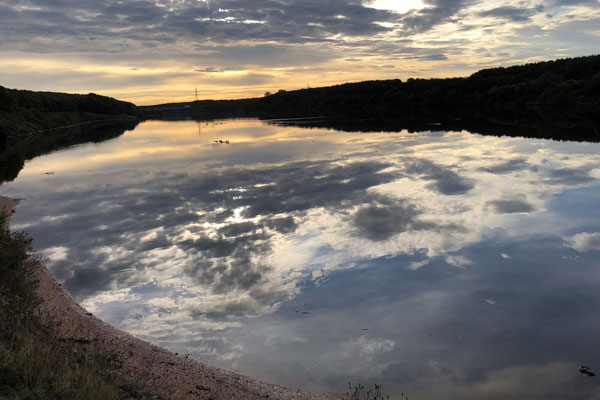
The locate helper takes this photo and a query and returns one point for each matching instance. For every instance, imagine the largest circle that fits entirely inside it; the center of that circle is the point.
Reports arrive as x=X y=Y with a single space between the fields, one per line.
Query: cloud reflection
x=221 y=231
x=585 y=241
x=173 y=249
x=444 y=180
x=511 y=206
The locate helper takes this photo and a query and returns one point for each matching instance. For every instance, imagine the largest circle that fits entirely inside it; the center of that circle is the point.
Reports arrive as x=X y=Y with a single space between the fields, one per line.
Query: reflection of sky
x=442 y=265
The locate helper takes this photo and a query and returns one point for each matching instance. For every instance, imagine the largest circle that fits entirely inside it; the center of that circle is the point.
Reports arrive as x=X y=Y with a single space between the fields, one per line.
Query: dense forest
x=24 y=111
x=572 y=83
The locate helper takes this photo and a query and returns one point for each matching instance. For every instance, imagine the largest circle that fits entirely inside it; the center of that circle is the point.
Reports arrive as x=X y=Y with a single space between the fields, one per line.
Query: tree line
x=573 y=82
x=25 y=111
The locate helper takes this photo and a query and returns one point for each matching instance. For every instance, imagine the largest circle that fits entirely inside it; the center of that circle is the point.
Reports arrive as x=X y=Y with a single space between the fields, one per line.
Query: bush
x=17 y=286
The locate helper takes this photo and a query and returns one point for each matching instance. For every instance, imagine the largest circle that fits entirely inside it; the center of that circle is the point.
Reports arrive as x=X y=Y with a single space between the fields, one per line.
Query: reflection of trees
x=546 y=123
x=19 y=150
x=201 y=125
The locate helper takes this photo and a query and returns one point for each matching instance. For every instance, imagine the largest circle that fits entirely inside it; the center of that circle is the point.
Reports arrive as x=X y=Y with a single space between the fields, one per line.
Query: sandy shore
x=150 y=367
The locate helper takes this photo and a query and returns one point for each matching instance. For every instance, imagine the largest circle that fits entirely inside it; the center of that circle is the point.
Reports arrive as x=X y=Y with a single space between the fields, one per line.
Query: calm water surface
x=440 y=264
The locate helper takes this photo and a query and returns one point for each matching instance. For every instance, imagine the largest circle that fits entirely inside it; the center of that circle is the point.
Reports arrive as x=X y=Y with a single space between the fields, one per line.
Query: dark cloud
x=282 y=225
x=511 y=206
x=514 y=14
x=431 y=57
x=445 y=180
x=209 y=69
x=437 y=12
x=213 y=248
x=517 y=164
x=86 y=281
x=238 y=229
x=218 y=216
x=569 y=176
x=385 y=217
x=573 y=2
x=280 y=21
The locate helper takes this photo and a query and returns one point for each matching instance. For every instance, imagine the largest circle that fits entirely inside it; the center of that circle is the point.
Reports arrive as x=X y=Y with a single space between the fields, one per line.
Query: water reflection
x=15 y=151
x=549 y=123
x=440 y=264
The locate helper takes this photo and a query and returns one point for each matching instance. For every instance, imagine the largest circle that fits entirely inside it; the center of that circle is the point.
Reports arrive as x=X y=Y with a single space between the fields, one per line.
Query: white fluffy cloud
x=585 y=241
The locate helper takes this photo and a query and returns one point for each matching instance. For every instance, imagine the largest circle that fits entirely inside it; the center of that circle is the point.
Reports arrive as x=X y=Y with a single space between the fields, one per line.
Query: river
x=437 y=264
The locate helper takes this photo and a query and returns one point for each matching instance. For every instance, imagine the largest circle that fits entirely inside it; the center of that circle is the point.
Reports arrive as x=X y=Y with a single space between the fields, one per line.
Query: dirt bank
x=8 y=205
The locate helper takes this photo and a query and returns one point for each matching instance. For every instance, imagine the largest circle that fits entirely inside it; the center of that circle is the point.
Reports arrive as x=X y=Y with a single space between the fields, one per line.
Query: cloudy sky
x=150 y=51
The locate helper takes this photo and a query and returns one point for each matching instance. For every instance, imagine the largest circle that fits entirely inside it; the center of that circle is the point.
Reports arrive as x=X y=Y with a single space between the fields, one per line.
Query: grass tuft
x=360 y=392
x=34 y=365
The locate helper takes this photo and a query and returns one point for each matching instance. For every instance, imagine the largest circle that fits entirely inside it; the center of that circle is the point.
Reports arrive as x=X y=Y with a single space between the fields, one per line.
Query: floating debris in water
x=587 y=370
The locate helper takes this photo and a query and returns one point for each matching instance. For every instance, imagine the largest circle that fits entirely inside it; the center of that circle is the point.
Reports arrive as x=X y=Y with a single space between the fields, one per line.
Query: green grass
x=33 y=364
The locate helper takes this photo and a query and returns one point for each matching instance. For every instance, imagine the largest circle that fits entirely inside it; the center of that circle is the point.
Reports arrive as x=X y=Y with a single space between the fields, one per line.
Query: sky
x=156 y=51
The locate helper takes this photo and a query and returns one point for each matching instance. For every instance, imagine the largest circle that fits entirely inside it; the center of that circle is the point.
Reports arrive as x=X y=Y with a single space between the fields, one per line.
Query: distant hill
x=571 y=82
x=24 y=111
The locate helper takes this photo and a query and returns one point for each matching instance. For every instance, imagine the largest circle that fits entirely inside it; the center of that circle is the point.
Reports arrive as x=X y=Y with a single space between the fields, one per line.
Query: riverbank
x=144 y=365
x=8 y=206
